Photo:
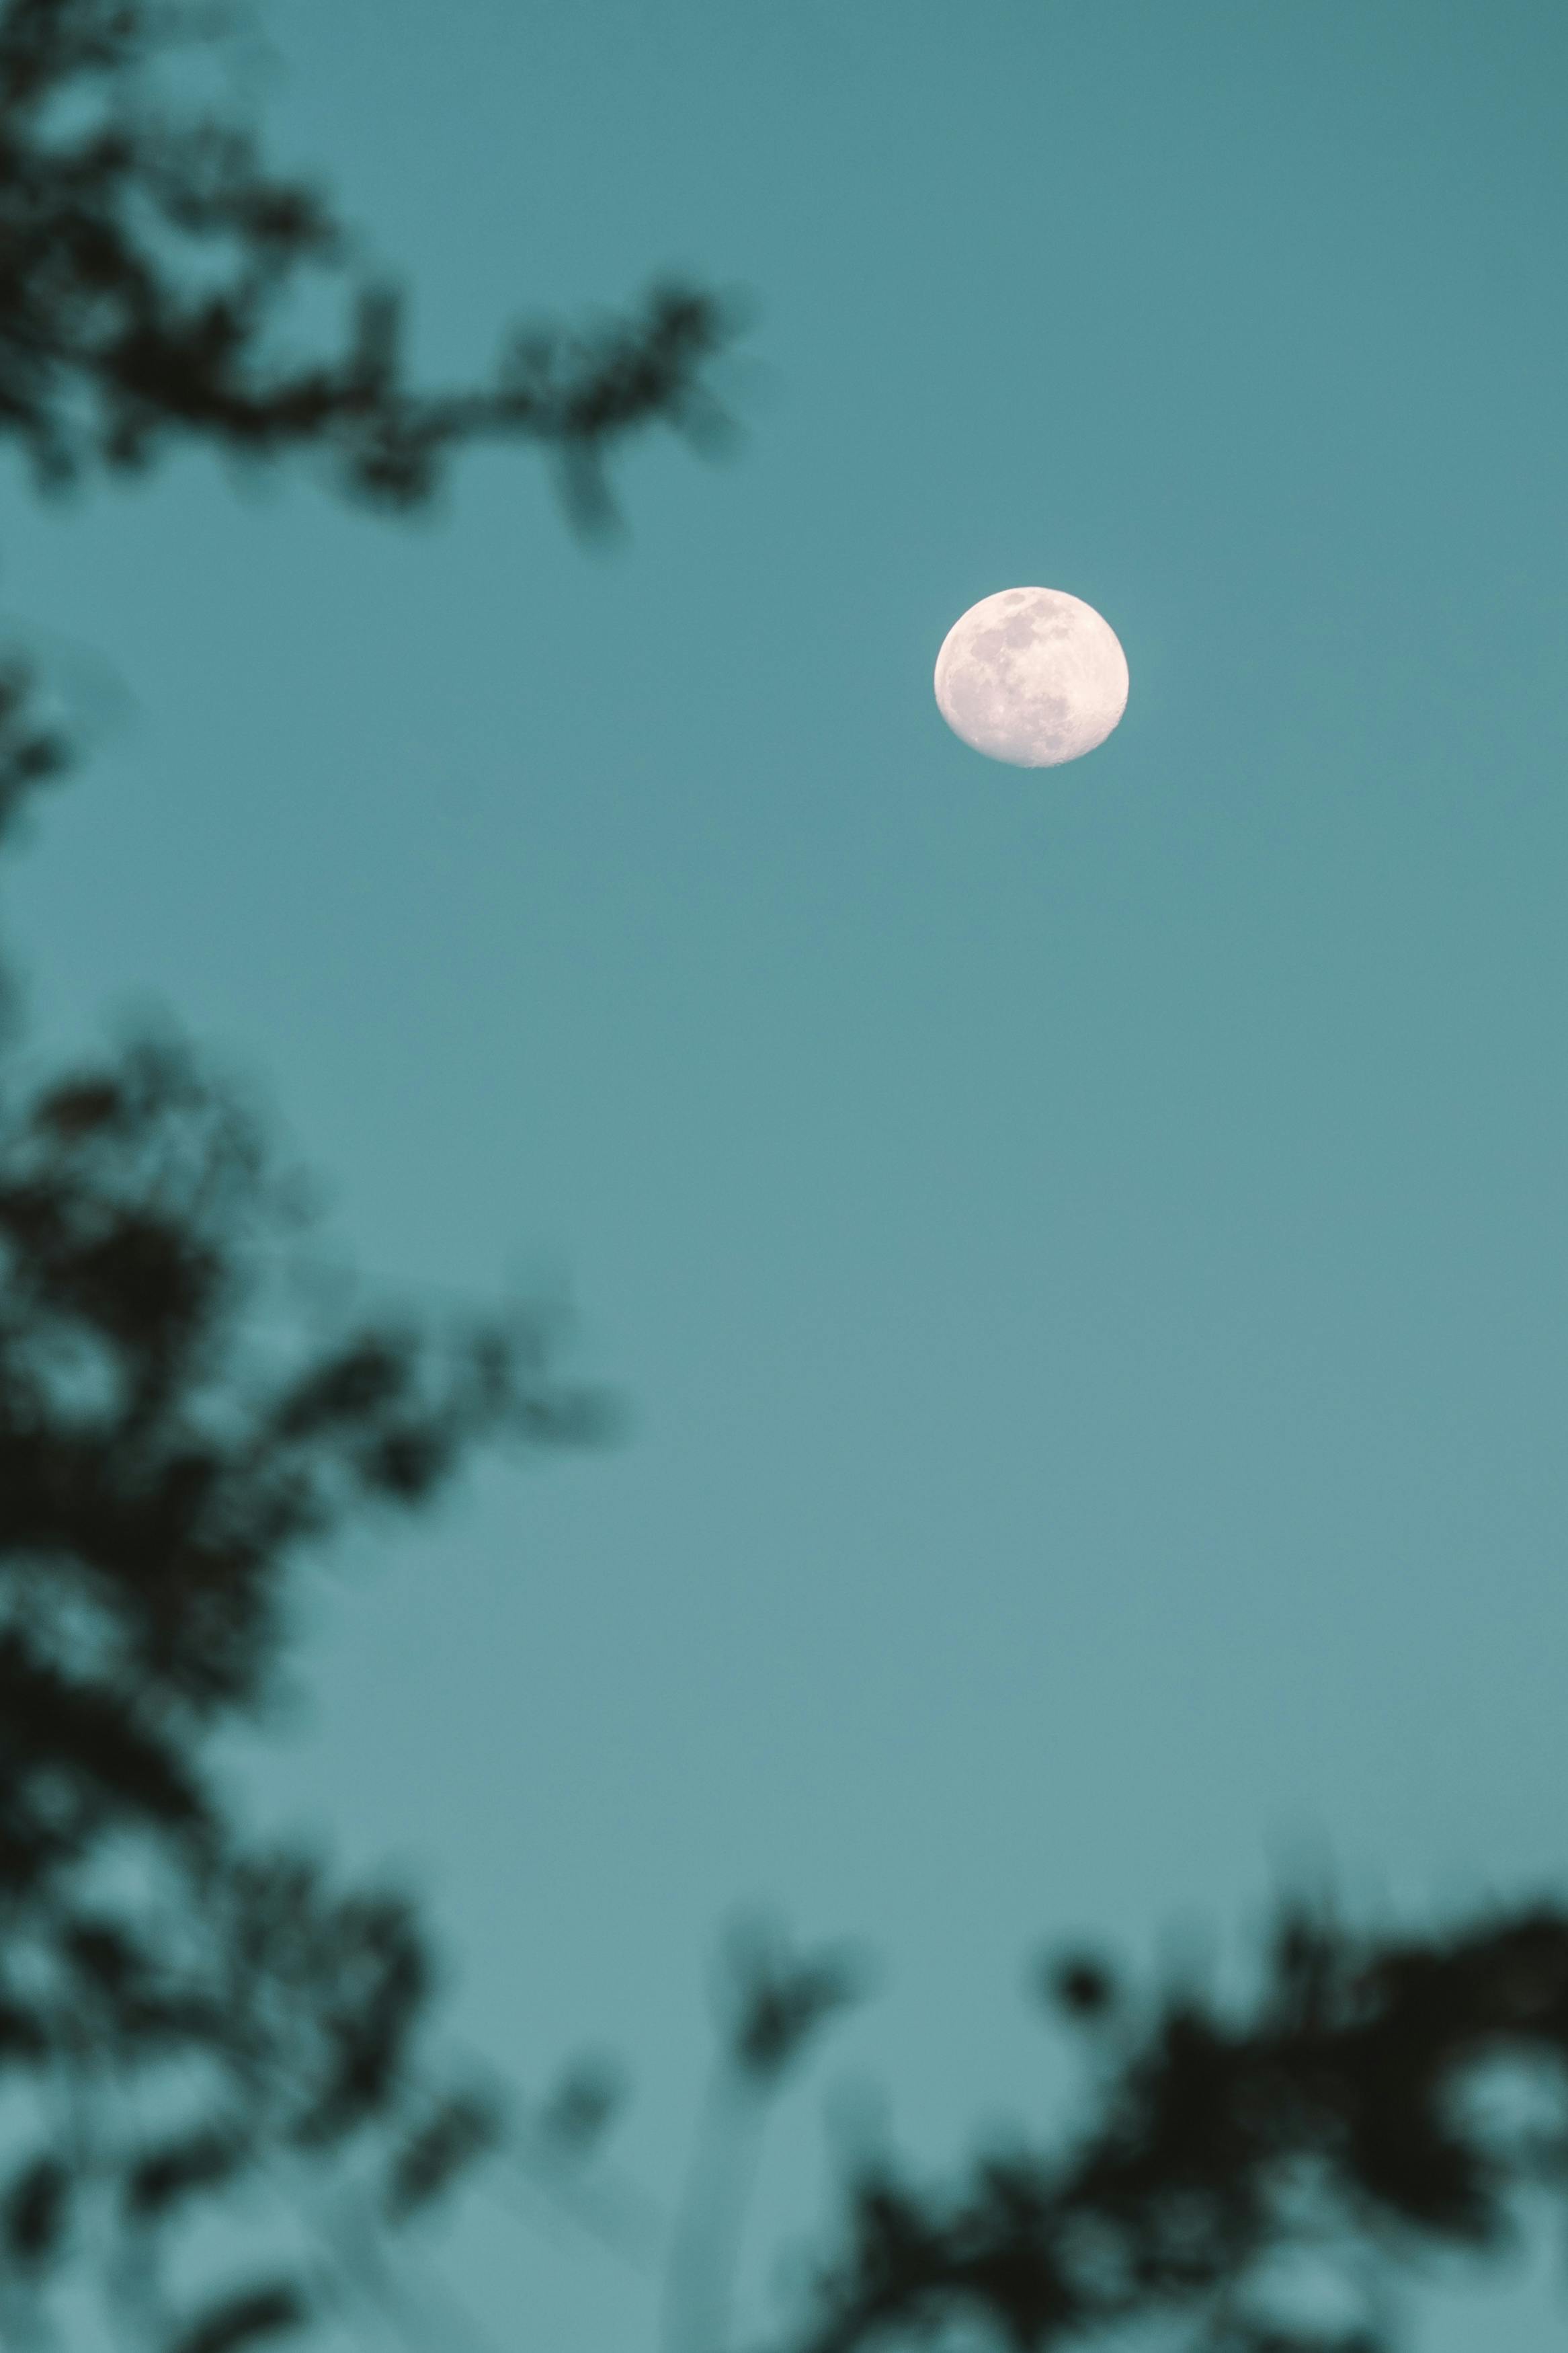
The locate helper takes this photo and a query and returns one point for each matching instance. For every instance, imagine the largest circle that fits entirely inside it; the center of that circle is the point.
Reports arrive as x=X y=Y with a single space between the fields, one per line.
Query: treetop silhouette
x=148 y=258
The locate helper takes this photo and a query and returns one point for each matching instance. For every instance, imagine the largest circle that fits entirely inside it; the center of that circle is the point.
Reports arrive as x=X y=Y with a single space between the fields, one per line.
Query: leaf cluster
x=150 y=260
x=1340 y=2120
x=174 y=1440
x=188 y=2020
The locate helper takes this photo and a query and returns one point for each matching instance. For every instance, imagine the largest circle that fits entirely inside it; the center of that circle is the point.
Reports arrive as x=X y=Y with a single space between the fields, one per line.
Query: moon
x=1031 y=676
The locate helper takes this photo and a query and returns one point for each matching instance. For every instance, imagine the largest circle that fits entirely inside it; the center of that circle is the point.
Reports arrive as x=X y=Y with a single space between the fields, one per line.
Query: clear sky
x=1086 y=1250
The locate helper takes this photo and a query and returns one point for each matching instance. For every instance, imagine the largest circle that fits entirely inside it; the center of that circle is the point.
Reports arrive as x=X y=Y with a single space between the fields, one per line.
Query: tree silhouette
x=148 y=260
x=1382 y=2101
x=185 y=1416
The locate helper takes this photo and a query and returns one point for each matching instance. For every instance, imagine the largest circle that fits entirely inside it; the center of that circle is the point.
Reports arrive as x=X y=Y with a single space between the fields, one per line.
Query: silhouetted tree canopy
x=185 y=1414
x=1382 y=2101
x=182 y=1420
x=148 y=260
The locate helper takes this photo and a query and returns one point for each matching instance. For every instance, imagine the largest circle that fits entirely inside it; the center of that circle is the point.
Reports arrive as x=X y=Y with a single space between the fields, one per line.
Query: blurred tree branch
x=148 y=260
x=1341 y=2120
x=186 y=2016
x=773 y=2005
x=174 y=1438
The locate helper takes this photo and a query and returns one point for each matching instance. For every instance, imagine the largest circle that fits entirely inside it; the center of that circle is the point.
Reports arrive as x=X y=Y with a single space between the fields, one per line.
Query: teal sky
x=1086 y=1250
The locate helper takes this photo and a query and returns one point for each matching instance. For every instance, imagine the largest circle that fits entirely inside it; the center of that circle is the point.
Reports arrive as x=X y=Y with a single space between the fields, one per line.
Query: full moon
x=1032 y=676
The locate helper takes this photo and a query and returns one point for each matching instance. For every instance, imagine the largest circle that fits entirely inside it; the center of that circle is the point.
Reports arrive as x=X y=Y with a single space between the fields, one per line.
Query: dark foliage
x=149 y=260
x=31 y=751
x=773 y=2002
x=177 y=1431
x=1340 y=2119
x=189 y=2024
